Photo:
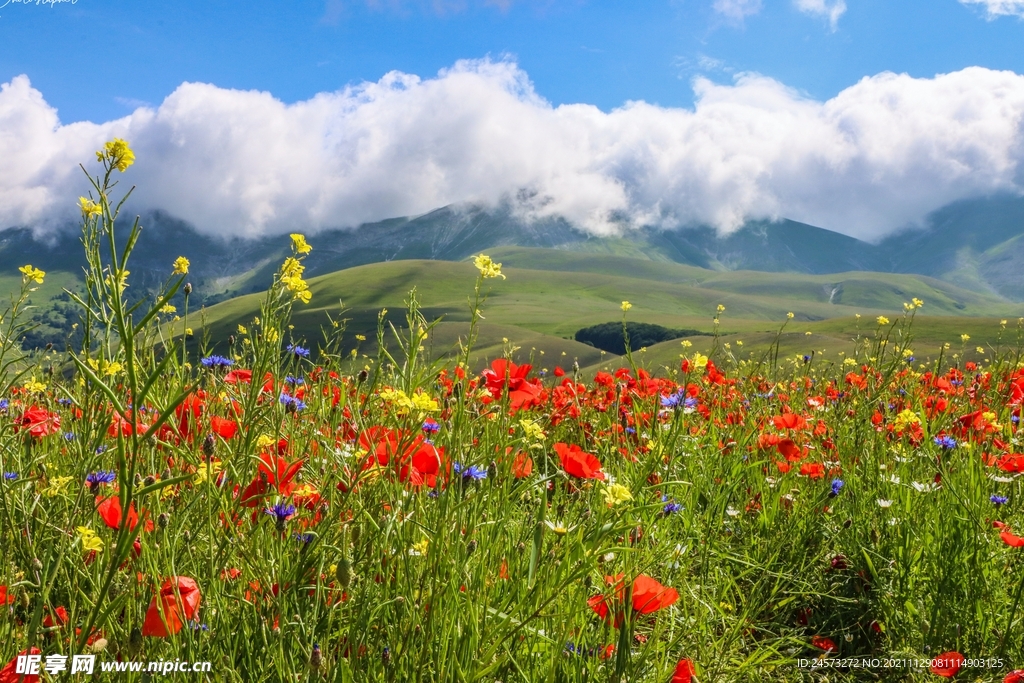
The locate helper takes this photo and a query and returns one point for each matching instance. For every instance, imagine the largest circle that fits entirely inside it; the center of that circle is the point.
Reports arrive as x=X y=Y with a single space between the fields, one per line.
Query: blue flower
x=472 y=472
x=946 y=442
x=305 y=538
x=672 y=400
x=837 y=485
x=3 y=404
x=431 y=427
x=65 y=401
x=293 y=380
x=292 y=404
x=298 y=351
x=10 y=476
x=69 y=436
x=998 y=500
x=100 y=449
x=101 y=477
x=1015 y=419
x=281 y=511
x=670 y=506
x=216 y=362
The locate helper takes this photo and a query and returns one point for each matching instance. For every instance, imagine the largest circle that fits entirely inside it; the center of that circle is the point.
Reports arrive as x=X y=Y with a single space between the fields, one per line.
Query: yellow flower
x=532 y=430
x=882 y=320
x=89 y=207
x=425 y=403
x=112 y=369
x=265 y=440
x=360 y=337
x=700 y=360
x=272 y=335
x=965 y=338
x=242 y=329
x=299 y=244
x=615 y=494
x=626 y=306
x=188 y=332
x=181 y=265
x=118 y=153
x=917 y=302
x=33 y=386
x=906 y=419
x=168 y=309
x=420 y=548
x=789 y=316
x=31 y=274
x=980 y=349
x=57 y=486
x=686 y=343
x=487 y=267
x=90 y=539
x=721 y=308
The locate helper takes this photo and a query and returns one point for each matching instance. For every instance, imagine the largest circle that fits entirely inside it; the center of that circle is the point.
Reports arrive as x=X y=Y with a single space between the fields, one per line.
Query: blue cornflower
x=10 y=476
x=807 y=359
x=630 y=431
x=69 y=436
x=670 y=506
x=101 y=477
x=3 y=404
x=216 y=362
x=293 y=380
x=101 y=449
x=281 y=511
x=1015 y=419
x=946 y=442
x=292 y=404
x=196 y=626
x=910 y=359
x=998 y=500
x=837 y=485
x=431 y=427
x=298 y=351
x=305 y=538
x=65 y=401
x=470 y=473
x=672 y=400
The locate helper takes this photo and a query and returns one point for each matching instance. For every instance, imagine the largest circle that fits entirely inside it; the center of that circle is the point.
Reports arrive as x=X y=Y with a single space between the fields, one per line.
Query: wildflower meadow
x=288 y=511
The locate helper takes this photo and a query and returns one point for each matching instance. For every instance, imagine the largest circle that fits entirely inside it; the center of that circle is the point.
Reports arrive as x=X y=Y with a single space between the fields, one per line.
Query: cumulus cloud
x=998 y=8
x=829 y=10
x=880 y=155
x=737 y=9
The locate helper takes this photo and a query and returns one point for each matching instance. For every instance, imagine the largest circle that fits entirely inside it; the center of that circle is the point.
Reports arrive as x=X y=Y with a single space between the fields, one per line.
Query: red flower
x=789 y=450
x=650 y=596
x=5 y=597
x=223 y=427
x=789 y=421
x=947 y=664
x=238 y=377
x=111 y=512
x=505 y=374
x=58 y=618
x=522 y=466
x=1012 y=540
x=177 y=603
x=1016 y=676
x=273 y=471
x=814 y=470
x=822 y=643
x=8 y=675
x=39 y=422
x=577 y=463
x=684 y=672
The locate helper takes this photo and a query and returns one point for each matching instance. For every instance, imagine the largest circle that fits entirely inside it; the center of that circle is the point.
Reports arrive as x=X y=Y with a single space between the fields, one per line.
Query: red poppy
x=39 y=422
x=814 y=470
x=5 y=596
x=522 y=466
x=1016 y=676
x=1012 y=540
x=789 y=421
x=58 y=618
x=177 y=603
x=822 y=643
x=273 y=471
x=111 y=512
x=238 y=377
x=577 y=463
x=505 y=374
x=947 y=664
x=789 y=450
x=223 y=427
x=650 y=596
x=684 y=672
x=9 y=673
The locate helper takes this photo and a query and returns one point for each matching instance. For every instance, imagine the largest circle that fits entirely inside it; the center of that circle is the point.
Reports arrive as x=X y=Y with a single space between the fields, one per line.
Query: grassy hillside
x=550 y=294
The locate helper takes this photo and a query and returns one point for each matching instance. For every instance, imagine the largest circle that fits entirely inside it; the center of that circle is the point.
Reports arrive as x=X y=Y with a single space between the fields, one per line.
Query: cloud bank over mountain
x=880 y=155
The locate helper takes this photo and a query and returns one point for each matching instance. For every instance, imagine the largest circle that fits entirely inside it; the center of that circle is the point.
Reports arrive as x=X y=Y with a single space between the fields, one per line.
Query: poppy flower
x=58 y=618
x=5 y=596
x=238 y=377
x=9 y=673
x=223 y=427
x=111 y=512
x=822 y=643
x=177 y=602
x=39 y=422
x=947 y=664
x=577 y=463
x=1012 y=540
x=789 y=421
x=504 y=374
x=814 y=470
x=789 y=450
x=650 y=596
x=522 y=466
x=684 y=672
x=1016 y=676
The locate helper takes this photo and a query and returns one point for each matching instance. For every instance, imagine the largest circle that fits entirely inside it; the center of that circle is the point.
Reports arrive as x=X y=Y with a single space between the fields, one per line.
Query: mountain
x=975 y=245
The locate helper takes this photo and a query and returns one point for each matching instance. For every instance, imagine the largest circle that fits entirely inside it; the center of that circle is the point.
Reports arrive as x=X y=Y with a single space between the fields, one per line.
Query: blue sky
x=96 y=59
x=861 y=116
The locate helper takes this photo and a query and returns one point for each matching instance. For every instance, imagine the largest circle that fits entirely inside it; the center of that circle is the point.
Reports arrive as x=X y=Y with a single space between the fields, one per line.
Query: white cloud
x=998 y=8
x=829 y=10
x=737 y=9
x=881 y=154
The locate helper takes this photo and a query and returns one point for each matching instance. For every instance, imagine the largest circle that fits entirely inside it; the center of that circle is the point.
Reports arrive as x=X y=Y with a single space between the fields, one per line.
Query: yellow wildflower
x=118 y=153
x=90 y=539
x=299 y=244
x=31 y=274
x=33 y=386
x=615 y=494
x=272 y=335
x=264 y=440
x=789 y=316
x=700 y=360
x=882 y=320
x=360 y=337
x=425 y=403
x=965 y=338
x=906 y=419
x=89 y=207
x=626 y=306
x=57 y=486
x=487 y=267
x=420 y=548
x=181 y=265
x=686 y=343
x=721 y=308
x=168 y=309
x=112 y=369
